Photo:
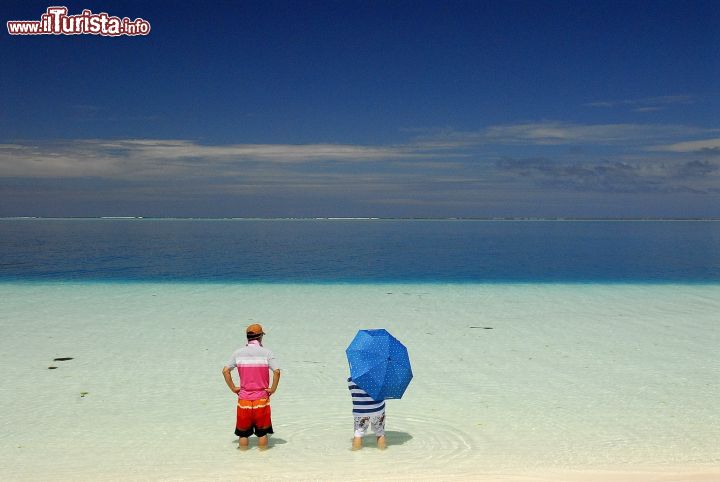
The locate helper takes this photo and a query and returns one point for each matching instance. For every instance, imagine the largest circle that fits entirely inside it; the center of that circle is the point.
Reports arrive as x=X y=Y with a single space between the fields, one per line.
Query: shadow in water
x=397 y=438
x=392 y=437
x=253 y=442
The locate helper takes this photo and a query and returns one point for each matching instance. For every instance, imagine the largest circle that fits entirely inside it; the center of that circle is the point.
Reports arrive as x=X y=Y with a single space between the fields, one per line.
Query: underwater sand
x=571 y=382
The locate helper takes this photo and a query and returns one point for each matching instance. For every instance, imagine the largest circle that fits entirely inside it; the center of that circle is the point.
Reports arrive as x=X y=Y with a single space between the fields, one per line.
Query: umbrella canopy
x=379 y=364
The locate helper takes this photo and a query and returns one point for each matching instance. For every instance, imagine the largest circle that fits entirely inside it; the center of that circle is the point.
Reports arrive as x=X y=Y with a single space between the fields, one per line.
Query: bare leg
x=381 y=442
x=244 y=441
x=262 y=442
x=357 y=443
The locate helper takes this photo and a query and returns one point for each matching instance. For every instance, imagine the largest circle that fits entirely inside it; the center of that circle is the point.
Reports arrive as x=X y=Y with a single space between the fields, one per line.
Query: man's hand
x=236 y=389
x=276 y=379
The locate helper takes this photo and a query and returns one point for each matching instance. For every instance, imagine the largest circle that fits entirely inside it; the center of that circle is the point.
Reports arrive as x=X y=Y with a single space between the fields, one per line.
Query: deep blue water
x=360 y=250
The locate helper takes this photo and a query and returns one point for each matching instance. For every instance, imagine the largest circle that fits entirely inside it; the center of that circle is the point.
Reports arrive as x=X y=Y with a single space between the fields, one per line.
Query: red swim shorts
x=253 y=416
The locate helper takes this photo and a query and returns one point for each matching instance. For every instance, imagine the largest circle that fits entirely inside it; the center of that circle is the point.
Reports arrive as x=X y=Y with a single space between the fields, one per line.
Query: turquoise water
x=362 y=251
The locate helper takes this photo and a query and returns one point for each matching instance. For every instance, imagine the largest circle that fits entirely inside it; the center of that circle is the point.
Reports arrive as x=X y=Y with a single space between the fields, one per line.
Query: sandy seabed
x=516 y=382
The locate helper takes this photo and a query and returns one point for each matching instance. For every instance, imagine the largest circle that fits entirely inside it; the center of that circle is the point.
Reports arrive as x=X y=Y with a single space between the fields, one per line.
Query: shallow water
x=570 y=377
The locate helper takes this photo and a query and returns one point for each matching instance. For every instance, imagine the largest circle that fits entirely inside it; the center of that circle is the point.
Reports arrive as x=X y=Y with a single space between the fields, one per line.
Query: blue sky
x=537 y=108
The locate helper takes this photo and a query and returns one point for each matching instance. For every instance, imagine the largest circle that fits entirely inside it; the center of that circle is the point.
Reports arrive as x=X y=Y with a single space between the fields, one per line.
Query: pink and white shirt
x=253 y=362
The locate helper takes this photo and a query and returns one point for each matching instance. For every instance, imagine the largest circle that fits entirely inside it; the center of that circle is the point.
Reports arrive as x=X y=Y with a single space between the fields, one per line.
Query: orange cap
x=254 y=331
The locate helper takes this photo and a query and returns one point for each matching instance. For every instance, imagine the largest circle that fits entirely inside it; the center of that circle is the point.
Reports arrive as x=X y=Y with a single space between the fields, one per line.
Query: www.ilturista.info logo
x=56 y=21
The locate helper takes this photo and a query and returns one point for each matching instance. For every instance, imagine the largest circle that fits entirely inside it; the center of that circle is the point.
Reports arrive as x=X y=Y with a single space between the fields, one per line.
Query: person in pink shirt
x=254 y=363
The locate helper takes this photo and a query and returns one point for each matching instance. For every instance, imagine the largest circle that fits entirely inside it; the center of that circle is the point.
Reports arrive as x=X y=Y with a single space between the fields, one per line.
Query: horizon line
x=369 y=218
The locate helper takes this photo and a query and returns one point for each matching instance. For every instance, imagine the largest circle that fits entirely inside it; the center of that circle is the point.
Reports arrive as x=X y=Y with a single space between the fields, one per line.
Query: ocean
x=542 y=350
x=320 y=251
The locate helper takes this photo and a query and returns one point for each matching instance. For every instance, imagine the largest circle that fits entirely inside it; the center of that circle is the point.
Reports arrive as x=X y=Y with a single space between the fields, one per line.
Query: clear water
x=583 y=377
x=602 y=353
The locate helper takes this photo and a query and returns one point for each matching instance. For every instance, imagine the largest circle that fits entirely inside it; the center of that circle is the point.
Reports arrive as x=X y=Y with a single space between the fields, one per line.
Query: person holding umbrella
x=379 y=370
x=366 y=412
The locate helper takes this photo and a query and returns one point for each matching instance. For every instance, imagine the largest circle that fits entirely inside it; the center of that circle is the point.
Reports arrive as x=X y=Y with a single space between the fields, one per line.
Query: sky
x=365 y=108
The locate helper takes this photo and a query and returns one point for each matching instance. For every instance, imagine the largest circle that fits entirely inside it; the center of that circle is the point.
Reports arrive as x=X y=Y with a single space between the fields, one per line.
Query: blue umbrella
x=379 y=364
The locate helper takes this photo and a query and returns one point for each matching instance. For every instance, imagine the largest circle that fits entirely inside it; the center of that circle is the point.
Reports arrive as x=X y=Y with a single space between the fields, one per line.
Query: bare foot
x=357 y=443
x=244 y=443
x=381 y=442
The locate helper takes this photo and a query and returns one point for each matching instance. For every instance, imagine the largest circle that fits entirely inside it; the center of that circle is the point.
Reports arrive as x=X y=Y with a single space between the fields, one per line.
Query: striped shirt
x=363 y=405
x=254 y=363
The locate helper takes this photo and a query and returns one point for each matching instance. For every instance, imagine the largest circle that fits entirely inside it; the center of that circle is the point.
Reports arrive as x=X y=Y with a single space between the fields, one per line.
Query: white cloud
x=442 y=152
x=564 y=133
x=136 y=158
x=689 y=146
x=181 y=149
x=646 y=104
